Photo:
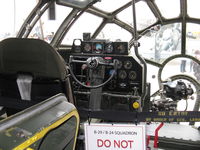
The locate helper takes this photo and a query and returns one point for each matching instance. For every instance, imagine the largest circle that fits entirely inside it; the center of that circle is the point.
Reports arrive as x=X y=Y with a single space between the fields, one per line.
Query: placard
x=115 y=136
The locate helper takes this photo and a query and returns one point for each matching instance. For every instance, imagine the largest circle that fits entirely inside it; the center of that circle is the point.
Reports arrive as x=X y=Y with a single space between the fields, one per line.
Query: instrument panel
x=127 y=78
x=90 y=62
x=101 y=47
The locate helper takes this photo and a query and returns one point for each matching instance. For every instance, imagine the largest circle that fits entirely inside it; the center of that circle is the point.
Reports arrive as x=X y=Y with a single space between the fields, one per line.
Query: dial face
x=87 y=47
x=98 y=49
x=121 y=48
x=132 y=75
x=122 y=74
x=119 y=64
x=127 y=64
x=109 y=48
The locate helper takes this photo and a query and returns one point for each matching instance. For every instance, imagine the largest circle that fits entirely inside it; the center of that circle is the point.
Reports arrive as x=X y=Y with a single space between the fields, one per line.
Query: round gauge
x=119 y=65
x=132 y=75
x=122 y=74
x=127 y=64
x=98 y=48
x=121 y=48
x=109 y=48
x=87 y=47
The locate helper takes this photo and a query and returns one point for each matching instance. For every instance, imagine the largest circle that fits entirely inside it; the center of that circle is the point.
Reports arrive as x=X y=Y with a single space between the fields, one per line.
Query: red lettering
x=107 y=143
x=124 y=144
x=99 y=142
x=130 y=143
x=117 y=144
x=102 y=143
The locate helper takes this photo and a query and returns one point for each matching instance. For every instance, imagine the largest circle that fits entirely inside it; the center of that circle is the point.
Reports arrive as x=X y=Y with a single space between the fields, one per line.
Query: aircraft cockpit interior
x=99 y=75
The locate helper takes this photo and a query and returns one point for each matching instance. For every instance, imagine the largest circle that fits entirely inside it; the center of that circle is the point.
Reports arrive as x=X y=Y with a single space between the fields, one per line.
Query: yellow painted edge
x=29 y=149
x=77 y=127
x=42 y=133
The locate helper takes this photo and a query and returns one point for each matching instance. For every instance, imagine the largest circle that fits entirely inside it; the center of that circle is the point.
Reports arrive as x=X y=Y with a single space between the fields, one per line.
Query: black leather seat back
x=30 y=57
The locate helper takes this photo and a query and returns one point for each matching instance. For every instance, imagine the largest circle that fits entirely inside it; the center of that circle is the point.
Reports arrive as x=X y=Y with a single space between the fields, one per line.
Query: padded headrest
x=32 y=56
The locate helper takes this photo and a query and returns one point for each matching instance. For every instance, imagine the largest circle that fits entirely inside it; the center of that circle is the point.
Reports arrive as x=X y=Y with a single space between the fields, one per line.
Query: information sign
x=115 y=136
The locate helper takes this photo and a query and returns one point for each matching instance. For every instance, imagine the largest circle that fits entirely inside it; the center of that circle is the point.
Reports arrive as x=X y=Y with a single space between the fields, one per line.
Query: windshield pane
x=143 y=20
x=126 y=15
x=180 y=66
x=12 y=16
x=144 y=15
x=87 y=23
x=45 y=28
x=169 y=8
x=113 y=32
x=193 y=8
x=192 y=38
x=161 y=42
x=110 y=5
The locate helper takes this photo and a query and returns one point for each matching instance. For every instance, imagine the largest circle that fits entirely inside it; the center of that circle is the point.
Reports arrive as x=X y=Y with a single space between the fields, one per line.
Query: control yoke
x=93 y=63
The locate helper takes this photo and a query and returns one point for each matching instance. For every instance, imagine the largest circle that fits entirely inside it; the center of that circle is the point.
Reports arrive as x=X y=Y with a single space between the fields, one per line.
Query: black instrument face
x=119 y=64
x=132 y=75
x=98 y=48
x=128 y=64
x=120 y=48
x=112 y=48
x=87 y=48
x=109 y=48
x=122 y=74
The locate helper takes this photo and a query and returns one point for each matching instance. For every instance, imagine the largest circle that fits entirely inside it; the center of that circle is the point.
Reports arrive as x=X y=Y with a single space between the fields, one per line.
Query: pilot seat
x=30 y=72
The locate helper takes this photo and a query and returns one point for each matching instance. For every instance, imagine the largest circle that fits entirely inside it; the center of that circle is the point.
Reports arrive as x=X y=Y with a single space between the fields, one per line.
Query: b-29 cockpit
x=129 y=62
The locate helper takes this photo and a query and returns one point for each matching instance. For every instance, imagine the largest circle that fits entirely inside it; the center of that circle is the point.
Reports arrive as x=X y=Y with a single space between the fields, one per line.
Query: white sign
x=115 y=137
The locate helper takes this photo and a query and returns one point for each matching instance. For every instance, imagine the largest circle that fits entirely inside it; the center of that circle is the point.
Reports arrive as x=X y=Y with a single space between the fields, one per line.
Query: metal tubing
x=136 y=45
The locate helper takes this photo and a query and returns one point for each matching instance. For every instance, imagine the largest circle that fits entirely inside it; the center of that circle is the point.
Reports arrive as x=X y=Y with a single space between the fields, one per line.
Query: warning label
x=115 y=137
